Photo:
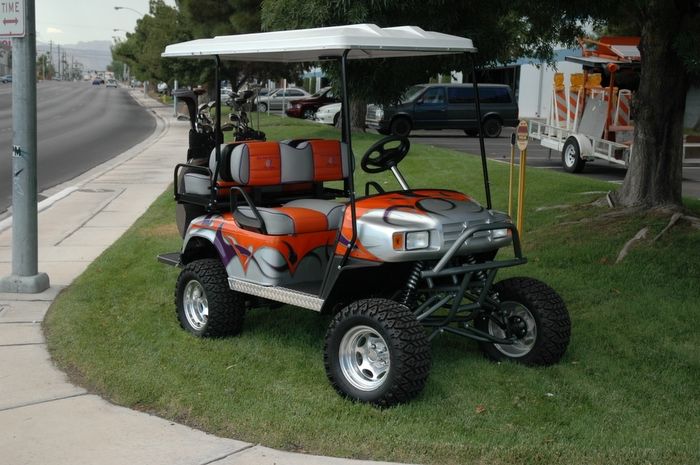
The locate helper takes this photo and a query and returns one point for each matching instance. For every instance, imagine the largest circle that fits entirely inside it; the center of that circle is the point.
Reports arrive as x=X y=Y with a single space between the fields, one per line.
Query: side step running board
x=172 y=258
x=278 y=294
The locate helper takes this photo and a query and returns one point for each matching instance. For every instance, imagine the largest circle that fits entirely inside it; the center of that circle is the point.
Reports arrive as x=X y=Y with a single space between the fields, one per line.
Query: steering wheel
x=386 y=157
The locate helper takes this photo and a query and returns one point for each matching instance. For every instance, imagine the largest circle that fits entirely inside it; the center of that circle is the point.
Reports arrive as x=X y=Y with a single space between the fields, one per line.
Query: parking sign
x=12 y=18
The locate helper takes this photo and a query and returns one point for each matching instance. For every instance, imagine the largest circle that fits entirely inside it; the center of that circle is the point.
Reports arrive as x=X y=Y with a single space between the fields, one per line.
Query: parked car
x=281 y=98
x=446 y=106
x=306 y=107
x=96 y=82
x=111 y=83
x=328 y=114
x=162 y=87
x=6 y=78
x=266 y=91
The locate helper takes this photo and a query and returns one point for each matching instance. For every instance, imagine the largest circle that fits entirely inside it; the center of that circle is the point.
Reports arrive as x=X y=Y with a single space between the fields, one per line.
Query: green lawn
x=627 y=391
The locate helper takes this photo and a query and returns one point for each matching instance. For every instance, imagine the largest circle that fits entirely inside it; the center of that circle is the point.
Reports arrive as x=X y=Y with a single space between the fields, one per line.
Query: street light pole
x=128 y=8
x=25 y=277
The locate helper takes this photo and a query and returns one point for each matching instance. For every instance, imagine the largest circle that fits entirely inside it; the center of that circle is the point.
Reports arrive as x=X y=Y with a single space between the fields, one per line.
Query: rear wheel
x=206 y=306
x=400 y=127
x=492 y=127
x=377 y=352
x=532 y=313
x=571 y=156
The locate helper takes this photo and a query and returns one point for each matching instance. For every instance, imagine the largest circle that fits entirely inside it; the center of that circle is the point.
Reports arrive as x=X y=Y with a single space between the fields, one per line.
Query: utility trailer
x=590 y=116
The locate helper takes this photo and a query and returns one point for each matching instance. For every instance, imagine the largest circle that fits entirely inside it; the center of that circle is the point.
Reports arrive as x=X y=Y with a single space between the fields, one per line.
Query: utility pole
x=25 y=277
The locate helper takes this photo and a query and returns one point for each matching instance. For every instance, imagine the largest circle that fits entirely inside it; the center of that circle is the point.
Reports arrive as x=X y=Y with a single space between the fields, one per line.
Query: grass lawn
x=627 y=391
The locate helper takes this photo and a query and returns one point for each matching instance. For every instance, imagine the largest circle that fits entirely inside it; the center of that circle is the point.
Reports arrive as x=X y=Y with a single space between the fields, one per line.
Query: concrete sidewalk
x=46 y=420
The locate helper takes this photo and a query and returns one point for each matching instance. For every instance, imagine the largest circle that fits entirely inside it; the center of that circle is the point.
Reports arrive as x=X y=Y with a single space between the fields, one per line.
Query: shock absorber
x=409 y=293
x=479 y=275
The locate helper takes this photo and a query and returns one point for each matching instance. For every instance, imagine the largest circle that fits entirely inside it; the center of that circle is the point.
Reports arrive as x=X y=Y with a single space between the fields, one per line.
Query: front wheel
x=377 y=352
x=206 y=306
x=309 y=114
x=400 y=127
x=262 y=107
x=534 y=315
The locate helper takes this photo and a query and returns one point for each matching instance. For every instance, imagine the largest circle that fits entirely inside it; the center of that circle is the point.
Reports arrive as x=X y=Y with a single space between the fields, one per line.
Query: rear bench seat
x=274 y=166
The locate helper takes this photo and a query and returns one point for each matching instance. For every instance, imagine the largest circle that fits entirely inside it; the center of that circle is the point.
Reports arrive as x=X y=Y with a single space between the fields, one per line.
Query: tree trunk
x=358 y=111
x=654 y=177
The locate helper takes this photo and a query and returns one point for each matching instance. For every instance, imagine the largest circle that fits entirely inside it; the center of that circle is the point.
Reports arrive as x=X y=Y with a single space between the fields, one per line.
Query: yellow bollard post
x=521 y=192
x=522 y=132
x=510 y=182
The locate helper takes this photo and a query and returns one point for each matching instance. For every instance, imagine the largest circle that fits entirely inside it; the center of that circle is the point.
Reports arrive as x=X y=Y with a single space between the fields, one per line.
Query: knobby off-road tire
x=206 y=307
x=544 y=313
x=377 y=352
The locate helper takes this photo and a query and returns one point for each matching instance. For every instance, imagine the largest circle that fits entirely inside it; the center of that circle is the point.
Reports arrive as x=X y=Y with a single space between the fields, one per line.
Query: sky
x=73 y=21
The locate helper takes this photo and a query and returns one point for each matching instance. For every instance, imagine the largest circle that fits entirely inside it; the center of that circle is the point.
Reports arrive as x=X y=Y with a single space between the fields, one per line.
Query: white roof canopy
x=363 y=41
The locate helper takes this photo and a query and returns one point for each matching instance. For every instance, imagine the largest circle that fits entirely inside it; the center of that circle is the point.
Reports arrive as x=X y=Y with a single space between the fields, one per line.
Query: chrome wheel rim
x=522 y=346
x=195 y=304
x=364 y=358
x=570 y=155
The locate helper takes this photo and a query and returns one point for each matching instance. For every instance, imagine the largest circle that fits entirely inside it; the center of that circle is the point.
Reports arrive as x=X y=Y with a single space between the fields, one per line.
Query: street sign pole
x=522 y=132
x=25 y=277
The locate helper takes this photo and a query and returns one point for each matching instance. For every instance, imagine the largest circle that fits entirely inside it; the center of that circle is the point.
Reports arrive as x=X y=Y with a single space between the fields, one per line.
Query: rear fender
x=491 y=115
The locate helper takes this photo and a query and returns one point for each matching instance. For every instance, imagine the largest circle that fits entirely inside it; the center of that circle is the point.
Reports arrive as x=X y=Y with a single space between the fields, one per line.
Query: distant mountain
x=94 y=55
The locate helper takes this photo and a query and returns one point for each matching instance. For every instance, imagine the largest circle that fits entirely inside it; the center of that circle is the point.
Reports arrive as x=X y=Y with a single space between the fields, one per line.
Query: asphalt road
x=79 y=126
x=499 y=149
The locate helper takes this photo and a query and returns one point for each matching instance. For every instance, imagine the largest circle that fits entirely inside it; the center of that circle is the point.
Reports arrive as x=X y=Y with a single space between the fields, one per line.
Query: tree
x=670 y=61
x=209 y=18
x=142 y=49
x=503 y=30
x=44 y=67
x=499 y=37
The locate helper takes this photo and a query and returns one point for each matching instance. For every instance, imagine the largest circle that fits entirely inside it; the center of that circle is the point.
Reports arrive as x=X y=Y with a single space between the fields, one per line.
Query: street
x=79 y=126
x=537 y=156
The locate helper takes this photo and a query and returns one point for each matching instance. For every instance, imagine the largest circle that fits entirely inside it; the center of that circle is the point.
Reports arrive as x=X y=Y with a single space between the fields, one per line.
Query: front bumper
x=294 y=112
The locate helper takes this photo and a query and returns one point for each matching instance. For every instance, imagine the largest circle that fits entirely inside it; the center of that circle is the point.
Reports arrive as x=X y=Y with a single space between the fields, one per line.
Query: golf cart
x=395 y=269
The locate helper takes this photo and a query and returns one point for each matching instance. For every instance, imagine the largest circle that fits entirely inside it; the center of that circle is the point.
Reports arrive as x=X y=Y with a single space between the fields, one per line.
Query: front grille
x=372 y=112
x=452 y=231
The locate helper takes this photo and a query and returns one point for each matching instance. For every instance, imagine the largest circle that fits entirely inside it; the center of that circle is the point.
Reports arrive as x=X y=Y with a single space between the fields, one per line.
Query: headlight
x=417 y=240
x=413 y=240
x=499 y=233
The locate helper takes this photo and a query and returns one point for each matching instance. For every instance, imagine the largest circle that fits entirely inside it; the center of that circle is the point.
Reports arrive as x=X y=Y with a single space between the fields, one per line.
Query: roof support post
x=347 y=139
x=217 y=127
x=487 y=187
